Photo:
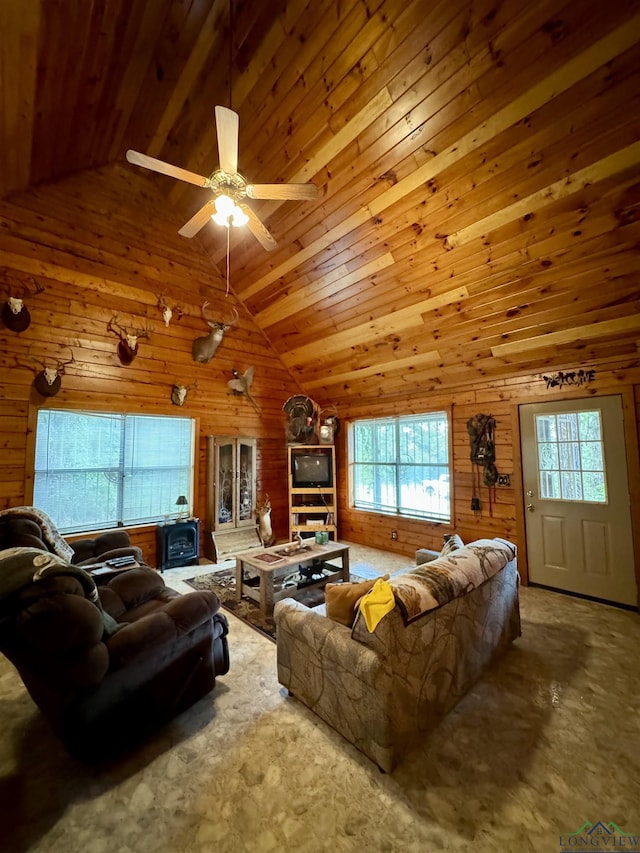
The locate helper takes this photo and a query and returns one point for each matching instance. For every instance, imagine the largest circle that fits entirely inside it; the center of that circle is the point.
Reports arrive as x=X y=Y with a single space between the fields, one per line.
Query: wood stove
x=178 y=544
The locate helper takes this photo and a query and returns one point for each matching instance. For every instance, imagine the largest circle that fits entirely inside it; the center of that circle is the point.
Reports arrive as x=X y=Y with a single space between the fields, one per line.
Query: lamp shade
x=182 y=501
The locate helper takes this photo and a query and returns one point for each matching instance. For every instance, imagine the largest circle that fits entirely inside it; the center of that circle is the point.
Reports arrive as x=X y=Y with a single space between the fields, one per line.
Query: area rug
x=223 y=583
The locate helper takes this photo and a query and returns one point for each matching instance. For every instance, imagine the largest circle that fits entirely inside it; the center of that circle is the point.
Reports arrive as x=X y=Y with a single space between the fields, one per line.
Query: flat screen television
x=310 y=470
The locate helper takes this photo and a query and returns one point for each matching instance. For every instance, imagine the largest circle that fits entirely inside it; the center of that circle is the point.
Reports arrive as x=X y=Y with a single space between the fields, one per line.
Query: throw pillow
x=451 y=543
x=341 y=599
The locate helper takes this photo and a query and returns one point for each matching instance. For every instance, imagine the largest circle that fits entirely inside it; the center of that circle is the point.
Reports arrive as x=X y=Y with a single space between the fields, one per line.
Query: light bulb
x=224 y=204
x=221 y=219
x=239 y=217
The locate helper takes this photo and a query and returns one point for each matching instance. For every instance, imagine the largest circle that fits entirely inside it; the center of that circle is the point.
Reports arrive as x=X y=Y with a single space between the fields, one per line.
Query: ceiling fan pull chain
x=228 y=260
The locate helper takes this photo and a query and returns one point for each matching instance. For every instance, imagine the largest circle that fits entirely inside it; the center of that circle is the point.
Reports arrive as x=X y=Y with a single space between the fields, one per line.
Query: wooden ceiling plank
x=475 y=326
x=208 y=37
x=304 y=106
x=599 y=53
x=429 y=359
x=321 y=288
x=394 y=322
x=144 y=39
x=619 y=161
x=442 y=265
x=463 y=86
x=329 y=318
x=605 y=328
x=19 y=24
x=393 y=114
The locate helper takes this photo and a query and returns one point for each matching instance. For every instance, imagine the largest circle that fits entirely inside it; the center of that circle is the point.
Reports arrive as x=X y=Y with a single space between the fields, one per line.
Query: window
x=571 y=457
x=97 y=470
x=401 y=465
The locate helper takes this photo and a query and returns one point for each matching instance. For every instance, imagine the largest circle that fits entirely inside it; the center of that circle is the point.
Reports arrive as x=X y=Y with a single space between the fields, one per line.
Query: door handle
x=530 y=507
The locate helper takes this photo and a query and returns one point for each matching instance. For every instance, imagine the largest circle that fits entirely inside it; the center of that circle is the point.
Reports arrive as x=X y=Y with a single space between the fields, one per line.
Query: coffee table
x=268 y=565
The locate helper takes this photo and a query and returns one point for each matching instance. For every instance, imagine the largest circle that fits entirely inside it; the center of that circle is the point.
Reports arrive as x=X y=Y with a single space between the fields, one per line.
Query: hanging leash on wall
x=481 y=429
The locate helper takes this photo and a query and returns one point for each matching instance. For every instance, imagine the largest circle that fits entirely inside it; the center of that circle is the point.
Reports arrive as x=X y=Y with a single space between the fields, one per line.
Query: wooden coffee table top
x=309 y=551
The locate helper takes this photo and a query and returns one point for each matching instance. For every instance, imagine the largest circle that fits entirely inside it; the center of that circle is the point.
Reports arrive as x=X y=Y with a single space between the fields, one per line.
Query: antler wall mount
x=47 y=381
x=15 y=314
x=128 y=343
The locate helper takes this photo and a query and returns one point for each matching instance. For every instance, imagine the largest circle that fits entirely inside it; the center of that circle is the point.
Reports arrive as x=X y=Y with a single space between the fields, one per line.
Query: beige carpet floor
x=548 y=739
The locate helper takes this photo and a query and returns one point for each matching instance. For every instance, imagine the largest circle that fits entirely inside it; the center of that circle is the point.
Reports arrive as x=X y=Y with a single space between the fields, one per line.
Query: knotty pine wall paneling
x=502 y=508
x=106 y=265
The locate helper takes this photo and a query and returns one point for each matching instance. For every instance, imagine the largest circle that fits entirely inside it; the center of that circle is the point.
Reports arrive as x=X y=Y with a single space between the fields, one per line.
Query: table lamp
x=182 y=502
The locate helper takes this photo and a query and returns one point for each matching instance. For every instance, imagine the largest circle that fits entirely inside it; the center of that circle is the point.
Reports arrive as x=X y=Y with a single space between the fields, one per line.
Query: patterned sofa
x=382 y=690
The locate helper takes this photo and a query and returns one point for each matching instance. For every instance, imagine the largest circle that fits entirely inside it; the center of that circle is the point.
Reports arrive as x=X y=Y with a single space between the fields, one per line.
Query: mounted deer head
x=167 y=311
x=128 y=344
x=203 y=349
x=179 y=393
x=15 y=314
x=48 y=379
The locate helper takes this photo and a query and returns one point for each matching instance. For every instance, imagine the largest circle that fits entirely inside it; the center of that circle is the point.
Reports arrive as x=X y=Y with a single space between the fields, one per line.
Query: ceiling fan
x=229 y=187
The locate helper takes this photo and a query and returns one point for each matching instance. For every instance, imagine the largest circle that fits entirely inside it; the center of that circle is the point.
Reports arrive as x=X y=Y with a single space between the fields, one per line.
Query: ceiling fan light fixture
x=239 y=218
x=221 y=219
x=224 y=205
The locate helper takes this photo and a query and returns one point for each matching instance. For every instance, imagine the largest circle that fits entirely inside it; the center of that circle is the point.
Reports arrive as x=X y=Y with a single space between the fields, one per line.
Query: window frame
x=399 y=511
x=85 y=406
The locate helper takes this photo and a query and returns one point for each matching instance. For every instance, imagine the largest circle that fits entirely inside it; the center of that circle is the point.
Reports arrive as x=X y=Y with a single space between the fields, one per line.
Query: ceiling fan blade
x=259 y=231
x=227 y=131
x=283 y=191
x=198 y=220
x=165 y=168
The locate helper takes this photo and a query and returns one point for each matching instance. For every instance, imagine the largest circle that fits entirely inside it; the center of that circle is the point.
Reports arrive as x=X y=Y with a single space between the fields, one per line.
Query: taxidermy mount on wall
x=15 y=314
x=240 y=385
x=48 y=380
x=203 y=349
x=128 y=343
x=179 y=393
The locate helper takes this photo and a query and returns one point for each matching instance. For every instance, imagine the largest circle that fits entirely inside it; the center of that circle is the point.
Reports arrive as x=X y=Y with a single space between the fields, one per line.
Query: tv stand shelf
x=312 y=508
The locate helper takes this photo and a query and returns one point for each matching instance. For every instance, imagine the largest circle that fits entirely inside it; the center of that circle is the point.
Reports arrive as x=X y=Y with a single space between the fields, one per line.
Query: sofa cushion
x=342 y=599
x=430 y=586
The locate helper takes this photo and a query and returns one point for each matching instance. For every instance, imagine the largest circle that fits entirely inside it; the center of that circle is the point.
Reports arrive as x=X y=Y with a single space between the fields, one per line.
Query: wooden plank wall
x=96 y=260
x=501 y=508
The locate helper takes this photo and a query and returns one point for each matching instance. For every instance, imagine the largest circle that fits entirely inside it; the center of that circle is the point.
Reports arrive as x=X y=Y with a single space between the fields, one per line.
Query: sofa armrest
x=426 y=555
x=323 y=640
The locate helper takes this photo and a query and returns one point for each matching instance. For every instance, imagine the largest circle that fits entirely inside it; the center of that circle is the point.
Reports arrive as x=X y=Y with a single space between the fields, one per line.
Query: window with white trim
x=97 y=470
x=400 y=466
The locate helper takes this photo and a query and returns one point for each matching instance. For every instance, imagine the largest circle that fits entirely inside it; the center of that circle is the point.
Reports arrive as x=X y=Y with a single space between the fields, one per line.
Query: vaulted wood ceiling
x=477 y=162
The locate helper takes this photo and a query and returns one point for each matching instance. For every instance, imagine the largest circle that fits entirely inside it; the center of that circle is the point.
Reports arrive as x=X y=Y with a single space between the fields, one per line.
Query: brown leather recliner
x=32 y=528
x=104 y=664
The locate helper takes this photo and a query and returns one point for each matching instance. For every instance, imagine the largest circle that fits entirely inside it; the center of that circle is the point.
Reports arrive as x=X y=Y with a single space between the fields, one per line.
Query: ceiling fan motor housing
x=222 y=183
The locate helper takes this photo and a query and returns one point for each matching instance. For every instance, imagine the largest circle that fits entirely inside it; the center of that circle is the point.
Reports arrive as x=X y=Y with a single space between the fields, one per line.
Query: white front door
x=577 y=505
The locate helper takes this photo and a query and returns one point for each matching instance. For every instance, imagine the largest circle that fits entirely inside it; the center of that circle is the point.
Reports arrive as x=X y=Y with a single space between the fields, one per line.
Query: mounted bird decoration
x=240 y=385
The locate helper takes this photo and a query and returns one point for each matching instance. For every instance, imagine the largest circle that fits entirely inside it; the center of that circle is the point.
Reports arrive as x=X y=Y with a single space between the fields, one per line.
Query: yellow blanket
x=377 y=603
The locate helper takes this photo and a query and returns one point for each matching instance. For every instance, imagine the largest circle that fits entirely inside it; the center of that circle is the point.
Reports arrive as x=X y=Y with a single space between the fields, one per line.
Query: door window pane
x=571 y=457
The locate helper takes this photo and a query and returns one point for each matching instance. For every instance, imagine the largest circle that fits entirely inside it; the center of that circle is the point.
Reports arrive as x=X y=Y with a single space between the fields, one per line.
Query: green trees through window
x=571 y=457
x=401 y=465
x=98 y=470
